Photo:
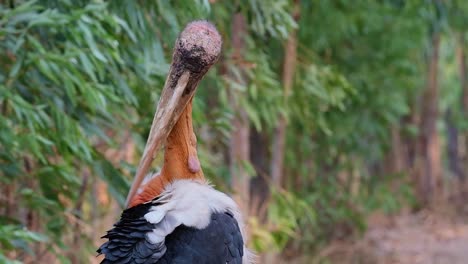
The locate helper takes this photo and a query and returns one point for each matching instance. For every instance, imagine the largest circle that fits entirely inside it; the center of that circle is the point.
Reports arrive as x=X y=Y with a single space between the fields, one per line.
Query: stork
x=177 y=216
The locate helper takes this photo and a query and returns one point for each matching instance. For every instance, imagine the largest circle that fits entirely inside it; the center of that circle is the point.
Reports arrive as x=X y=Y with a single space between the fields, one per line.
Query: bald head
x=198 y=46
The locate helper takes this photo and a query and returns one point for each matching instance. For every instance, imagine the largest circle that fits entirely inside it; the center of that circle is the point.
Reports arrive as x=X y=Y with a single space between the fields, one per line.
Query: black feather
x=127 y=240
x=212 y=245
x=220 y=242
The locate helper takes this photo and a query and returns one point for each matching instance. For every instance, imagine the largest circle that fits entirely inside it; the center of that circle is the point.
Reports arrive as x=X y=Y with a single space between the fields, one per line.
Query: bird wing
x=129 y=242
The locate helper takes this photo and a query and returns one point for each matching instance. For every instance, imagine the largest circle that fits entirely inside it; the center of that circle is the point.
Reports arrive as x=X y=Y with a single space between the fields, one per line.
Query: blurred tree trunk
x=259 y=185
x=410 y=141
x=456 y=159
x=77 y=213
x=239 y=144
x=279 y=138
x=30 y=217
x=452 y=146
x=464 y=100
x=429 y=177
x=463 y=69
x=394 y=161
x=9 y=205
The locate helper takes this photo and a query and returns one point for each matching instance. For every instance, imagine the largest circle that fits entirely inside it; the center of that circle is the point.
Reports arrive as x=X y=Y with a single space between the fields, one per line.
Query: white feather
x=191 y=203
x=155 y=216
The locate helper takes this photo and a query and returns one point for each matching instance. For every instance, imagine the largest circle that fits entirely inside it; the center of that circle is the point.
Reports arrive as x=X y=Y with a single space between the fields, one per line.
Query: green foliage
x=360 y=68
x=74 y=73
x=64 y=82
x=389 y=194
x=287 y=213
x=16 y=237
x=272 y=19
x=77 y=75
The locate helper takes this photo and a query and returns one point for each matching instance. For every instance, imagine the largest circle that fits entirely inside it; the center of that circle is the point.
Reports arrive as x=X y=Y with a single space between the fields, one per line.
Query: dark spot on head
x=197 y=49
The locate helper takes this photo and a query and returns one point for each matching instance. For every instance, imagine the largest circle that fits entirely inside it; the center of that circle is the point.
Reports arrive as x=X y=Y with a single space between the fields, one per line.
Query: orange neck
x=180 y=159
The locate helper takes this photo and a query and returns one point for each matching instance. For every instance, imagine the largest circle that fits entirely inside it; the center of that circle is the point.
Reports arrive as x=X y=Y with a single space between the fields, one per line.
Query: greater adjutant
x=175 y=216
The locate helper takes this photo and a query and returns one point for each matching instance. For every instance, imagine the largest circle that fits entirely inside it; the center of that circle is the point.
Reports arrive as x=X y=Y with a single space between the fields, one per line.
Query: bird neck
x=180 y=159
x=180 y=156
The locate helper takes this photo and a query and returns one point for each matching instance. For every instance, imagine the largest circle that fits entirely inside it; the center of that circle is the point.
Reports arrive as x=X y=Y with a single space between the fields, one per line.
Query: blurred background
x=339 y=126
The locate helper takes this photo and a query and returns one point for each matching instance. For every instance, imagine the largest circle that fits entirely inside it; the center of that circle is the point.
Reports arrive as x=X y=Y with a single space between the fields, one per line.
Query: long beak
x=196 y=50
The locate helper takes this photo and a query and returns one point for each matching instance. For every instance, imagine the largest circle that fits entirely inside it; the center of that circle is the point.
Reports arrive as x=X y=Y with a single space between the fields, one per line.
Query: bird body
x=190 y=222
x=176 y=216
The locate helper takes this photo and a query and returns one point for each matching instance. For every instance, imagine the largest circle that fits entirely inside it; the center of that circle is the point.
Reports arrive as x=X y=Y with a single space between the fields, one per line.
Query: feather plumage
x=189 y=223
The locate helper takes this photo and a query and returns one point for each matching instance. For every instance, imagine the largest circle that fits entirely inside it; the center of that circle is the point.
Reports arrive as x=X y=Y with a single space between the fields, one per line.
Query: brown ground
x=421 y=238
